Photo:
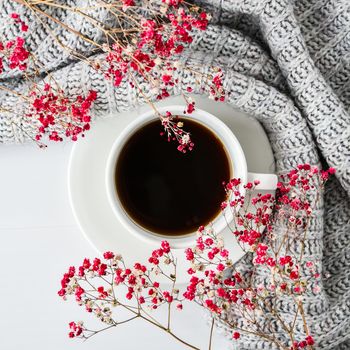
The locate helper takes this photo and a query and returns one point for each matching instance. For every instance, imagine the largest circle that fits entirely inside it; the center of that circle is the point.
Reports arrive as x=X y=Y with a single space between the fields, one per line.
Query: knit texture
x=287 y=63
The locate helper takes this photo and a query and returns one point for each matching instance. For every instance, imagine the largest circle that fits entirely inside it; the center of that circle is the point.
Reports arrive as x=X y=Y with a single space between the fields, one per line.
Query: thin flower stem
x=14 y=93
x=305 y=233
x=283 y=242
x=40 y=144
x=149 y=316
x=259 y=334
x=78 y=34
x=69 y=50
x=99 y=331
x=169 y=332
x=306 y=329
x=172 y=290
x=270 y=309
x=129 y=319
x=211 y=334
x=169 y=318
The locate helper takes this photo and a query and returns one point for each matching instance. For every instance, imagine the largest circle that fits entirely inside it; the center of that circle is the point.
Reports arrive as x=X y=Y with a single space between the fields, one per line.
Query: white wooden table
x=39 y=240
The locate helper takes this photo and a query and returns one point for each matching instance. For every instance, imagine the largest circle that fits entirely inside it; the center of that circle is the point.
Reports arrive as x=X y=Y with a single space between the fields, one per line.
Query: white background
x=39 y=240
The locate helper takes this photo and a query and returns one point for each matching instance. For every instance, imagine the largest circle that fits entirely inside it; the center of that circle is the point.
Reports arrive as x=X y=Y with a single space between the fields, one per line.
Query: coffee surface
x=169 y=192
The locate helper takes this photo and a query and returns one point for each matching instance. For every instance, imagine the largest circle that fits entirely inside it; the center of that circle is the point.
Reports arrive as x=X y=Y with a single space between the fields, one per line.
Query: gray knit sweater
x=287 y=63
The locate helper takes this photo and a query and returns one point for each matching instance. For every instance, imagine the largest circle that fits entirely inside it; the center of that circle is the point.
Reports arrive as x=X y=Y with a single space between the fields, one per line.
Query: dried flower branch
x=45 y=106
x=93 y=284
x=273 y=230
x=142 y=42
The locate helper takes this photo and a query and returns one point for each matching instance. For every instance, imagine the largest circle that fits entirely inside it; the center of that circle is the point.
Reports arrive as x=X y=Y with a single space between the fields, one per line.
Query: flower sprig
x=94 y=286
x=13 y=52
x=142 y=45
x=50 y=106
x=46 y=107
x=271 y=229
x=274 y=233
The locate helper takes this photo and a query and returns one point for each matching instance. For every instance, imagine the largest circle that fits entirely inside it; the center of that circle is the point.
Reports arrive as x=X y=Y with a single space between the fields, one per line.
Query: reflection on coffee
x=168 y=192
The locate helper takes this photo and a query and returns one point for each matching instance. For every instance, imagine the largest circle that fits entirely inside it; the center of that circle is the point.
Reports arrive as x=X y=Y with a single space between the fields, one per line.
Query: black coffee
x=169 y=192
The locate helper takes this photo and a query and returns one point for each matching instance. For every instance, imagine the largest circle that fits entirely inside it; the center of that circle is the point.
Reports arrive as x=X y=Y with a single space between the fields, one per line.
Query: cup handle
x=267 y=181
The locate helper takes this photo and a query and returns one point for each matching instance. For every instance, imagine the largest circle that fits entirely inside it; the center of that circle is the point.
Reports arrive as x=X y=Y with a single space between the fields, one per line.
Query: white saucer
x=87 y=190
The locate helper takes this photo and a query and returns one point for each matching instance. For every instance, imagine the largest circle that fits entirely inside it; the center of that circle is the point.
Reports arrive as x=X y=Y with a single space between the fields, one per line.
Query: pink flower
x=294 y=275
x=18 y=54
x=190 y=108
x=236 y=335
x=166 y=78
x=51 y=105
x=108 y=255
x=128 y=3
x=102 y=293
x=189 y=254
x=76 y=330
x=309 y=339
x=165 y=246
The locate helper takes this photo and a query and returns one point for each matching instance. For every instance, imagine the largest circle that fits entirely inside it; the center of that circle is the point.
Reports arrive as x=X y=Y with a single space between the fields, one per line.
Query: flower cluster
x=17 y=19
x=46 y=108
x=76 y=329
x=157 y=41
x=94 y=283
x=143 y=48
x=218 y=286
x=214 y=283
x=174 y=131
x=152 y=56
x=57 y=115
x=13 y=51
x=235 y=298
x=308 y=342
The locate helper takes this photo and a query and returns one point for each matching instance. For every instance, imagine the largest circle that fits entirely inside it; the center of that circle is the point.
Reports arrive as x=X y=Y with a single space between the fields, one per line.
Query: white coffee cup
x=238 y=168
